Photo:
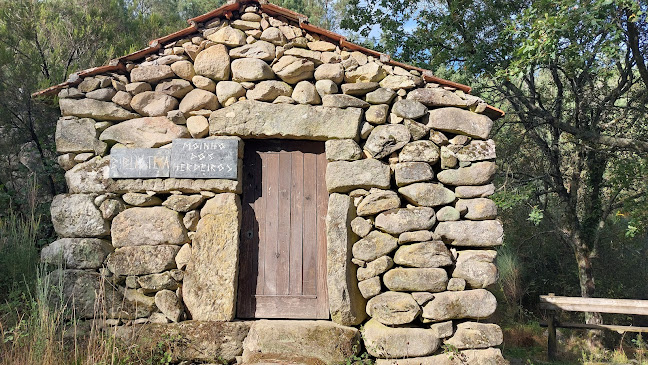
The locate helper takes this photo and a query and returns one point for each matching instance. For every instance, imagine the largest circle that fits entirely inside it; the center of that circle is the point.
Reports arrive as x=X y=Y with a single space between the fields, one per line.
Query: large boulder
x=423 y=254
x=189 y=340
x=375 y=268
x=148 y=226
x=344 y=176
x=421 y=151
x=95 y=109
x=478 y=173
x=75 y=215
x=398 y=342
x=89 y=177
x=407 y=173
x=342 y=149
x=397 y=221
x=308 y=342
x=380 y=96
x=393 y=308
x=467 y=192
x=306 y=93
x=477 y=209
x=471 y=233
x=416 y=279
x=214 y=63
x=476 y=267
x=228 y=36
x=374 y=245
x=475 y=304
x=153 y=103
x=472 y=335
x=370 y=72
x=177 y=88
x=209 y=290
x=293 y=69
x=330 y=71
x=477 y=151
x=269 y=90
x=405 y=82
x=146 y=132
x=343 y=101
x=346 y=304
x=75 y=135
x=77 y=253
x=409 y=109
x=251 y=69
x=169 y=304
x=436 y=97
x=260 y=49
x=460 y=121
x=489 y=356
x=198 y=99
x=385 y=139
x=229 y=89
x=427 y=194
x=258 y=120
x=142 y=260
x=378 y=201
x=153 y=73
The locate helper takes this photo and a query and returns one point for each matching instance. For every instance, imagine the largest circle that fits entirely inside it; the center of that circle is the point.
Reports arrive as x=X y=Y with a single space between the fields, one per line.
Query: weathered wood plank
x=286 y=306
x=600 y=305
x=296 y=222
x=284 y=223
x=310 y=225
x=271 y=192
x=611 y=327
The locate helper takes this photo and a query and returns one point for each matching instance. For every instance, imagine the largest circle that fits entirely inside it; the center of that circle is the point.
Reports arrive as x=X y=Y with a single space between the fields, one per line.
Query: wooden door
x=283 y=236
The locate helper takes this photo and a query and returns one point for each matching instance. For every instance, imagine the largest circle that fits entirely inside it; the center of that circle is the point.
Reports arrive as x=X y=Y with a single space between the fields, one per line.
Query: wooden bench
x=554 y=304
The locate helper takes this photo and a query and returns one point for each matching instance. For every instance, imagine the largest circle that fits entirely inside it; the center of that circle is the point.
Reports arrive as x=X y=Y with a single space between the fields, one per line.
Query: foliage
x=570 y=74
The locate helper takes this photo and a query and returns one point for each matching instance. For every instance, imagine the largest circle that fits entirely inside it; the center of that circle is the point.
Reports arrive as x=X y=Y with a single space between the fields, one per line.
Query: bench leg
x=551 y=337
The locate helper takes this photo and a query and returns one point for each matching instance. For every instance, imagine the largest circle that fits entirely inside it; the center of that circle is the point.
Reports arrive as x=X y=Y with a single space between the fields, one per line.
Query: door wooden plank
x=287 y=307
x=322 y=204
x=271 y=192
x=283 y=226
x=296 y=222
x=310 y=225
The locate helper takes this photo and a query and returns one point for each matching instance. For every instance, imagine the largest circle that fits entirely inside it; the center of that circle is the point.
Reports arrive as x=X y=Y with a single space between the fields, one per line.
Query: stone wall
x=411 y=231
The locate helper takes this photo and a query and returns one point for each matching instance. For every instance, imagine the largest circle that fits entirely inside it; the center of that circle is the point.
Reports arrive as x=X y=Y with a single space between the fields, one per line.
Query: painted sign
x=204 y=158
x=187 y=158
x=139 y=162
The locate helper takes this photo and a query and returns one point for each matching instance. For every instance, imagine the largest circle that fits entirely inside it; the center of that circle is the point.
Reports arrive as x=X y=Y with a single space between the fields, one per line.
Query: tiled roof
x=119 y=64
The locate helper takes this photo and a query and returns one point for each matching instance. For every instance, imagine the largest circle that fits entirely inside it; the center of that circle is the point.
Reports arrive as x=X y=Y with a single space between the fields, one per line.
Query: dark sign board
x=187 y=158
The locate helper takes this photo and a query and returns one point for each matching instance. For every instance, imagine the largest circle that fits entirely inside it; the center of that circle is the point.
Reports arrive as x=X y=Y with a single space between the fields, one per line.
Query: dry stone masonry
x=411 y=231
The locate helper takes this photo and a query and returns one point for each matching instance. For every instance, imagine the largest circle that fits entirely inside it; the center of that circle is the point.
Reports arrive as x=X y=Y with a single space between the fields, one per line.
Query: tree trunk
x=587 y=287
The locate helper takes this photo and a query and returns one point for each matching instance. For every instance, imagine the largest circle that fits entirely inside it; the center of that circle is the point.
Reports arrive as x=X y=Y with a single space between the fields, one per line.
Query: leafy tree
x=571 y=75
x=42 y=43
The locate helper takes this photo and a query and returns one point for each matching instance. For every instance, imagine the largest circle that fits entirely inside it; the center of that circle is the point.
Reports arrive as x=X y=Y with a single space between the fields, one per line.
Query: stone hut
x=257 y=189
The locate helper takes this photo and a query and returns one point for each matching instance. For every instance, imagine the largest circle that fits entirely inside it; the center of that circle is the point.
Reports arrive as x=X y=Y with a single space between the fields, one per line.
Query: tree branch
x=633 y=42
x=593 y=137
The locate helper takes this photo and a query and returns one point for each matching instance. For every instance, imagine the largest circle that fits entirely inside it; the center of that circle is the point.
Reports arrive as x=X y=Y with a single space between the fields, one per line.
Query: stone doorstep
x=252 y=342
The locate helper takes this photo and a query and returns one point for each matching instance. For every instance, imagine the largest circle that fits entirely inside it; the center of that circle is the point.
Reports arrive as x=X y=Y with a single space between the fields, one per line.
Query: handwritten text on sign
x=206 y=158
x=139 y=162
x=187 y=158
